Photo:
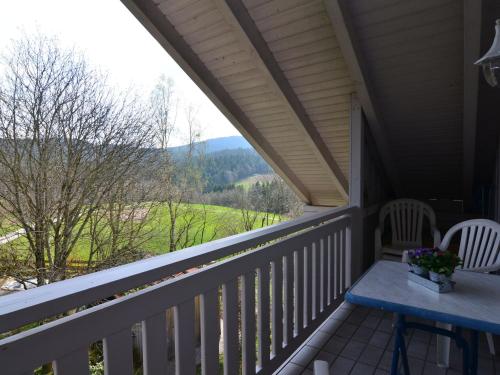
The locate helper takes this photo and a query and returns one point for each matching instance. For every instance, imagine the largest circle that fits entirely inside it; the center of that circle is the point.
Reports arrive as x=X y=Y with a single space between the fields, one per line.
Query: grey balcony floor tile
x=365 y=347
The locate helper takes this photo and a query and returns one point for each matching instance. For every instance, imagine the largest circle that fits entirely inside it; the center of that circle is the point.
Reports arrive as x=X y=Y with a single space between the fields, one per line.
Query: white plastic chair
x=480 y=252
x=406 y=219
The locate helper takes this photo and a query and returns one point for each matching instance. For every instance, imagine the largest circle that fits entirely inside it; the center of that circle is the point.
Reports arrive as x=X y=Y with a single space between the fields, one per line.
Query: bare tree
x=118 y=230
x=184 y=219
x=249 y=214
x=66 y=141
x=178 y=177
x=164 y=105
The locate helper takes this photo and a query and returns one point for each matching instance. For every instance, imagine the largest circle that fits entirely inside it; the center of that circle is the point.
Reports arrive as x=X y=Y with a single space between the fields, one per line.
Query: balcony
x=270 y=288
x=352 y=103
x=266 y=301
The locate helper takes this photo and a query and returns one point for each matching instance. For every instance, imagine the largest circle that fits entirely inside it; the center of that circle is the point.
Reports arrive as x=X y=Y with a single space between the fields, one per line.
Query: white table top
x=475 y=302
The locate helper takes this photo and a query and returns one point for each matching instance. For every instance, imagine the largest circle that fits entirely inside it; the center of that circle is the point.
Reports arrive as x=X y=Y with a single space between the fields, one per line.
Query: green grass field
x=246 y=183
x=220 y=222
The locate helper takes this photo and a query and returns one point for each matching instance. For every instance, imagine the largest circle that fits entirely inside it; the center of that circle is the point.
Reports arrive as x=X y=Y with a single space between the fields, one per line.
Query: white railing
x=273 y=297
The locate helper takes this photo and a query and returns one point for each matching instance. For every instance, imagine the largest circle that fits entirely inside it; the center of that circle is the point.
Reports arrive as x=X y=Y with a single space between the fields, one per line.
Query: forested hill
x=223 y=168
x=224 y=161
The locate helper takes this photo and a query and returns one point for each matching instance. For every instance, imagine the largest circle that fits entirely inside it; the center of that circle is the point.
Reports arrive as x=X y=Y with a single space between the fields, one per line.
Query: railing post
x=356 y=232
x=356 y=186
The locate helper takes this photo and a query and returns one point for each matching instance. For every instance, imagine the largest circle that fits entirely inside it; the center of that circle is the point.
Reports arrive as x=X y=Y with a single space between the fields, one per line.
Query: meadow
x=247 y=182
x=196 y=224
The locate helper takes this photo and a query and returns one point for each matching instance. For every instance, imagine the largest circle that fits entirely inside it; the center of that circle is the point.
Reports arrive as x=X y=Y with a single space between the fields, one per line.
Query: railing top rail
x=36 y=304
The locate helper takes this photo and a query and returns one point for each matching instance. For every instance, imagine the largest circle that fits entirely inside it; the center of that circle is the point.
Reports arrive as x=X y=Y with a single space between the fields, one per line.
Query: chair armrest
x=436 y=234
x=378 y=243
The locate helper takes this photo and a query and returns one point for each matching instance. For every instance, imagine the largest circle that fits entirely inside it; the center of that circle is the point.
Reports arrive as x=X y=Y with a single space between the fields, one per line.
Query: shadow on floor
x=359 y=341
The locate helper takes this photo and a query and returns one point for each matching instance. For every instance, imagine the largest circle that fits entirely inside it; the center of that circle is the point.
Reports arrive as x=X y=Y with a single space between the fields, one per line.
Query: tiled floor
x=359 y=341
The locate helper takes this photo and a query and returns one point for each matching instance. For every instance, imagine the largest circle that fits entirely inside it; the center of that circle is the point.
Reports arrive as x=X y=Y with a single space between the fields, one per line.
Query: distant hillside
x=216 y=144
x=253 y=179
x=222 y=161
x=226 y=167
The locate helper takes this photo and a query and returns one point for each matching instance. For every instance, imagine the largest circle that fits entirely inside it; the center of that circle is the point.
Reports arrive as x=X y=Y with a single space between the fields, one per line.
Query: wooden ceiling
x=275 y=69
x=284 y=72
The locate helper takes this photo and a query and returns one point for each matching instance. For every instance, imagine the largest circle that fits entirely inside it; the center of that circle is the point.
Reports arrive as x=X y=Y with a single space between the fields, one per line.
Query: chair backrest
x=479 y=244
x=406 y=218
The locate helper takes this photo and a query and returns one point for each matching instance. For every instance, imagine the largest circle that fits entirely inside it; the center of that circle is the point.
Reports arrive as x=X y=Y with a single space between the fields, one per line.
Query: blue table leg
x=458 y=331
x=465 y=359
x=469 y=351
x=395 y=354
x=473 y=352
x=400 y=347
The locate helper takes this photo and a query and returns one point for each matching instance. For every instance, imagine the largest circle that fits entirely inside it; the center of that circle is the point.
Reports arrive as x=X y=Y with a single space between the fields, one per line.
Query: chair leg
x=443 y=347
x=491 y=343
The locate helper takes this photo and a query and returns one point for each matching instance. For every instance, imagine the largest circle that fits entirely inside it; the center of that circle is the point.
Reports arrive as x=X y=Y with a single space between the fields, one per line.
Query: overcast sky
x=114 y=41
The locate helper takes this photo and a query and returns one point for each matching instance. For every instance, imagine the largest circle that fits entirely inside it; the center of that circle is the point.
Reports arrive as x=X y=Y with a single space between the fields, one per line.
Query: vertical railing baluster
x=154 y=344
x=210 y=327
x=118 y=353
x=308 y=285
x=317 y=279
x=75 y=363
x=263 y=315
x=337 y=264
x=341 y=260
x=348 y=255
x=184 y=338
x=299 y=291
x=324 y=273
x=288 y=298
x=277 y=305
x=248 y=323
x=230 y=324
x=331 y=271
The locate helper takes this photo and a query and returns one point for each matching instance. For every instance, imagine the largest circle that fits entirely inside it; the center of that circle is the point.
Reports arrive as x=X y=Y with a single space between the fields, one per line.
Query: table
x=474 y=304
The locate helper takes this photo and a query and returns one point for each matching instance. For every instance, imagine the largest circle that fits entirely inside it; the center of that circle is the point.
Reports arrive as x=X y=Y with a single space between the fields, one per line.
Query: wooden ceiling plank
x=237 y=15
x=342 y=25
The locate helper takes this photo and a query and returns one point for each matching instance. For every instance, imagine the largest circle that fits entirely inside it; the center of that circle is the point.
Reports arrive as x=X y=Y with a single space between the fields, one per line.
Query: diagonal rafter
x=146 y=11
x=250 y=37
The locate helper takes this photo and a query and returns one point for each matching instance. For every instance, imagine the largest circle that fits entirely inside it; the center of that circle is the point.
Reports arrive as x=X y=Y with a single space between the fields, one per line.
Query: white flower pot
x=418 y=270
x=439 y=277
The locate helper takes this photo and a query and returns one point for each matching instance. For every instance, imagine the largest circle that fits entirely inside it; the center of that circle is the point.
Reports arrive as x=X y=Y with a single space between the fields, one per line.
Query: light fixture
x=491 y=60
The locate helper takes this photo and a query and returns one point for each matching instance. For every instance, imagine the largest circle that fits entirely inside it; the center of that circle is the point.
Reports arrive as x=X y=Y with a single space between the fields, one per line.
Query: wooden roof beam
x=342 y=26
x=147 y=12
x=237 y=15
x=472 y=46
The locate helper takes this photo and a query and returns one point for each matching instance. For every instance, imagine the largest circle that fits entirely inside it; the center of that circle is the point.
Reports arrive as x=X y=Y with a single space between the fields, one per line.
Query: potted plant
x=419 y=261
x=442 y=264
